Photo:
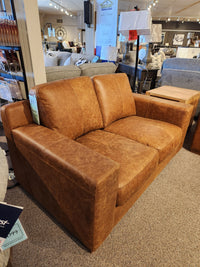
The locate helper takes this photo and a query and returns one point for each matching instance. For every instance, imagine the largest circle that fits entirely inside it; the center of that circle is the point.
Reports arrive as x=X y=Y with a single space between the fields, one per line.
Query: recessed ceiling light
x=61 y=9
x=50 y=4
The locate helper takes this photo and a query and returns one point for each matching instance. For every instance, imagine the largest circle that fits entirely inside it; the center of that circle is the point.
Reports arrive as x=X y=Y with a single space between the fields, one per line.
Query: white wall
x=70 y=24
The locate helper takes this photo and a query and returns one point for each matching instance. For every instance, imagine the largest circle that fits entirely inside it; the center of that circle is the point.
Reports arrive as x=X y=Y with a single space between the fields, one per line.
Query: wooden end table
x=177 y=94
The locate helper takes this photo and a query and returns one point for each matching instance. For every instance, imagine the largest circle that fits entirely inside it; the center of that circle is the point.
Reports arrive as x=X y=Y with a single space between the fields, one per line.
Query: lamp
x=108 y=53
x=155 y=37
x=135 y=20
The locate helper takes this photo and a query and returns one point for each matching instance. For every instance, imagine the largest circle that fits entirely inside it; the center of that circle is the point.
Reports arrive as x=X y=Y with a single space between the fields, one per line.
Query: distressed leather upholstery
x=98 y=147
x=134 y=169
x=162 y=136
x=115 y=97
x=74 y=117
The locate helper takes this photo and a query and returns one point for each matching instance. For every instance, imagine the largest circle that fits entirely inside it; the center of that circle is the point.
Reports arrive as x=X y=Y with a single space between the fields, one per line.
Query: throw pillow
x=80 y=62
x=50 y=60
x=62 y=57
x=73 y=59
x=95 y=59
x=68 y=61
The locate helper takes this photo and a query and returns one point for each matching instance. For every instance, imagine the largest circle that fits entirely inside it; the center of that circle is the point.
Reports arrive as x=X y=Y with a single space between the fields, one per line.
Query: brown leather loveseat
x=97 y=149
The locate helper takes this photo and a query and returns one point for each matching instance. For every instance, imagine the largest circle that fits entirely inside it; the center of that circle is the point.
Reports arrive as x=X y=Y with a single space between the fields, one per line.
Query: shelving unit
x=8 y=74
x=13 y=75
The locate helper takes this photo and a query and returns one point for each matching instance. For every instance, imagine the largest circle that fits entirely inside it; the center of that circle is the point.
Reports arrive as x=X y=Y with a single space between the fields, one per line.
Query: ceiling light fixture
x=178 y=19
x=59 y=6
x=152 y=4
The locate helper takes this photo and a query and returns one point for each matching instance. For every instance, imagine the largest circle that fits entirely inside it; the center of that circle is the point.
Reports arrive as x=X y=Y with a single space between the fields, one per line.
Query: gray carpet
x=161 y=229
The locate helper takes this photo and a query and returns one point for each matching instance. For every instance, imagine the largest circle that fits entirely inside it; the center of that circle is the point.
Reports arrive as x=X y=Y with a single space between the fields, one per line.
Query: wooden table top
x=174 y=93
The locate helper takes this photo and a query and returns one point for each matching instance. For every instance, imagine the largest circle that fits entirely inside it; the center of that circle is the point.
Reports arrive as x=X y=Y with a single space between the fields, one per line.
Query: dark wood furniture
x=143 y=75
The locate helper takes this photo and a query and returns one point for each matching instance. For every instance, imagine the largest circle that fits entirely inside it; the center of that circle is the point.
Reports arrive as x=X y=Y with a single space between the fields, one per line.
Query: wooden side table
x=178 y=94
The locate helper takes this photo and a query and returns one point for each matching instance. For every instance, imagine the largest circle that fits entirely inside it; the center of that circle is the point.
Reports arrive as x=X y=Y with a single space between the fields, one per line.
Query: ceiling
x=174 y=9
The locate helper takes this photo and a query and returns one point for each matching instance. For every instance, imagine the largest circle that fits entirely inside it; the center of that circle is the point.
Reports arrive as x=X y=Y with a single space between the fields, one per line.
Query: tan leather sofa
x=97 y=149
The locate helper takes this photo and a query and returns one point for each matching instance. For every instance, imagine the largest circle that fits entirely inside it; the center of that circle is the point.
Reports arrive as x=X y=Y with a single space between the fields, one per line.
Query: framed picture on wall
x=178 y=39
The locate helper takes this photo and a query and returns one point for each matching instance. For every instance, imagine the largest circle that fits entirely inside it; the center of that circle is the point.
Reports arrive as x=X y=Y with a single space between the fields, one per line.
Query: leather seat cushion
x=160 y=135
x=137 y=161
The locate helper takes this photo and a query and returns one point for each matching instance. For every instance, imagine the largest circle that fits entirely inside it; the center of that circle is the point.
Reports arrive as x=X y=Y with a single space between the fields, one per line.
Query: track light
x=58 y=6
x=178 y=19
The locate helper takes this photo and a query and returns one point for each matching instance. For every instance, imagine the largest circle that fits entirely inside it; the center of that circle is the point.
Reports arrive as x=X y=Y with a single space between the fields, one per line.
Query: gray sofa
x=181 y=72
x=71 y=71
x=66 y=65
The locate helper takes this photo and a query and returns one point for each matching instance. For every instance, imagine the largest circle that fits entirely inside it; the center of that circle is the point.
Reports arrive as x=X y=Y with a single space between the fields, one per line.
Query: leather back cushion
x=69 y=106
x=115 y=97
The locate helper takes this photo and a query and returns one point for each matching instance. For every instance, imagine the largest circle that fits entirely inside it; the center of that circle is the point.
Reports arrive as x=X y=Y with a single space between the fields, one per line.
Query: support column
x=31 y=42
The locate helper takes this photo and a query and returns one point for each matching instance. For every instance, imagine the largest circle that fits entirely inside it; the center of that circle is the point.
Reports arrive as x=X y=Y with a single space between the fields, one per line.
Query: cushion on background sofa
x=91 y=69
x=62 y=72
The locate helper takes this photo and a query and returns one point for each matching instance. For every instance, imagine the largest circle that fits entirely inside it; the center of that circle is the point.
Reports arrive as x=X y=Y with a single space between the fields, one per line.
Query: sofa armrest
x=165 y=110
x=82 y=182
x=161 y=109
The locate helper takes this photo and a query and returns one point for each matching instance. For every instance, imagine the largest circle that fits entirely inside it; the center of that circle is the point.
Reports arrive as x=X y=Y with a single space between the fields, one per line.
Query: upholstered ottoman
x=4 y=256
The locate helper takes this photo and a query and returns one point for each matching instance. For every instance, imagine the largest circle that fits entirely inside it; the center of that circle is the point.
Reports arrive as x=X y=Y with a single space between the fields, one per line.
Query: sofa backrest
x=91 y=69
x=71 y=71
x=62 y=72
x=115 y=97
x=69 y=106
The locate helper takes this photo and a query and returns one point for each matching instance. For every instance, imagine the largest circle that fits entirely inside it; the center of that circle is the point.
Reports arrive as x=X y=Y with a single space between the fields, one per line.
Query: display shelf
x=16 y=48
x=21 y=75
x=12 y=76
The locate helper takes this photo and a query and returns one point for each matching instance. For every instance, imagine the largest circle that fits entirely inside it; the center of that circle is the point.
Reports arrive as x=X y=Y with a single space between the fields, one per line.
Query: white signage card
x=106 y=25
